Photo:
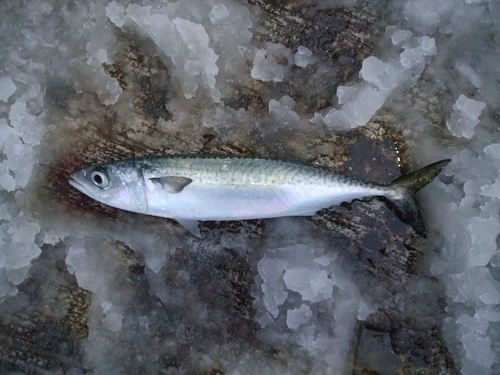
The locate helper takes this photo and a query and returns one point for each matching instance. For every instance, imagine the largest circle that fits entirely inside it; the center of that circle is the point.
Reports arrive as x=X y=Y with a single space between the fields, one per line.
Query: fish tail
x=403 y=188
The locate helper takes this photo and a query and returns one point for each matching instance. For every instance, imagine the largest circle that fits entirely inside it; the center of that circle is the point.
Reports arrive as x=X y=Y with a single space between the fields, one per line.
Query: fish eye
x=99 y=178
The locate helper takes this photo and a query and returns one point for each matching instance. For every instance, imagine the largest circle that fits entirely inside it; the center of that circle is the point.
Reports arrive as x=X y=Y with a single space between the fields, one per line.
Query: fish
x=194 y=188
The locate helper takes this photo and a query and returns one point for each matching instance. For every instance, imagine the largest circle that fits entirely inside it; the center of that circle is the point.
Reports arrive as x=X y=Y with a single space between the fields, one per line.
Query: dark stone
x=401 y=341
x=378 y=322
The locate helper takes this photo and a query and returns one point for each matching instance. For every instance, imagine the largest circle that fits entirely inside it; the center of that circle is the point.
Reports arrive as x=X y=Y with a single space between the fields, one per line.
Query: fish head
x=118 y=185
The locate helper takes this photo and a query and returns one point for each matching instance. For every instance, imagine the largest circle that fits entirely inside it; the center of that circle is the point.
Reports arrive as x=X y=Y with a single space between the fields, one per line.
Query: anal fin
x=192 y=226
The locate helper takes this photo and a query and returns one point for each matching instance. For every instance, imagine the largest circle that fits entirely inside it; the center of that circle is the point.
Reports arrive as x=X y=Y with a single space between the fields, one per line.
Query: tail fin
x=404 y=187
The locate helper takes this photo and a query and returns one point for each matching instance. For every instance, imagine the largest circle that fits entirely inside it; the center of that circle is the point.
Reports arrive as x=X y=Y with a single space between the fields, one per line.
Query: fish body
x=192 y=188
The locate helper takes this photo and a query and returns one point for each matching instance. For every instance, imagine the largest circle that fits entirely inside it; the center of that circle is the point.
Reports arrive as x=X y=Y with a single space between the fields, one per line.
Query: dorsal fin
x=172 y=184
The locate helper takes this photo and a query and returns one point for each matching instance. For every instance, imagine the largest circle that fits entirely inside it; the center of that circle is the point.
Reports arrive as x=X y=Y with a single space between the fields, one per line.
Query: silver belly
x=236 y=202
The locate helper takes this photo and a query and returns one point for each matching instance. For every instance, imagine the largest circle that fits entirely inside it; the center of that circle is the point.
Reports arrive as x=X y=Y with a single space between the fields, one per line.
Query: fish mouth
x=74 y=181
x=76 y=185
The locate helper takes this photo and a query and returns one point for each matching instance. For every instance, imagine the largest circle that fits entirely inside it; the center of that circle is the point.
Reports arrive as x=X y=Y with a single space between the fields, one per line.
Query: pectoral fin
x=172 y=184
x=192 y=226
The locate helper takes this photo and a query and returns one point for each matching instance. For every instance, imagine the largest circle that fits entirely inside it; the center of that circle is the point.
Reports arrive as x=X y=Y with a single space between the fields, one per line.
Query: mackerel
x=192 y=188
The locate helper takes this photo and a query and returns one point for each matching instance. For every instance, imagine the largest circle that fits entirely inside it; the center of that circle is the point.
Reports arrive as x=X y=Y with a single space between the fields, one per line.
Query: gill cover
x=118 y=185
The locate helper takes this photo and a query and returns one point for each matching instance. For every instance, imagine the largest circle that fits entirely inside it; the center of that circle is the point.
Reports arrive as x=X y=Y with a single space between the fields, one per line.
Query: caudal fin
x=404 y=187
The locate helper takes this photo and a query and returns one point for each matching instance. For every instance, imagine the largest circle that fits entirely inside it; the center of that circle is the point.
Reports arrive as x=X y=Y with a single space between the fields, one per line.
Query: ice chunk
x=107 y=88
x=365 y=310
x=24 y=124
x=17 y=142
x=348 y=94
x=386 y=76
x=400 y=36
x=155 y=256
x=20 y=255
x=7 y=88
x=473 y=331
x=492 y=189
x=493 y=152
x=274 y=295
x=465 y=117
x=372 y=70
x=412 y=57
x=99 y=51
x=478 y=350
x=467 y=71
x=429 y=13
x=265 y=320
x=483 y=232
x=186 y=43
x=113 y=316
x=476 y=285
x=283 y=112
x=428 y=45
x=313 y=285
x=296 y=317
x=116 y=13
x=303 y=57
x=324 y=325
x=17 y=250
x=21 y=236
x=202 y=57
x=18 y=275
x=25 y=232
x=325 y=260
x=7 y=182
x=272 y=64
x=218 y=13
x=77 y=257
x=356 y=112
x=361 y=101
